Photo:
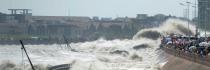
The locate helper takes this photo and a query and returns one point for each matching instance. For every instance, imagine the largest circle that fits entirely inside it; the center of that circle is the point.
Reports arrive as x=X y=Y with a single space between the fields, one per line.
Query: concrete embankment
x=176 y=63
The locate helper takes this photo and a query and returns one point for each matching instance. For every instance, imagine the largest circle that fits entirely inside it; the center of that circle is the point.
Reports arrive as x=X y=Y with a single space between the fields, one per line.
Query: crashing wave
x=139 y=53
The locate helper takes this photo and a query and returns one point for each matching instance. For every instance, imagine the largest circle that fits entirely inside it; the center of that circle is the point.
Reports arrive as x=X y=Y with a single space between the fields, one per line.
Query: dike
x=178 y=60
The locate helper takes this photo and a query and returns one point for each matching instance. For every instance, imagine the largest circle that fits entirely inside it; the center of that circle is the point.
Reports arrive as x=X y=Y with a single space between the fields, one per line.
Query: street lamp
x=188 y=16
x=194 y=5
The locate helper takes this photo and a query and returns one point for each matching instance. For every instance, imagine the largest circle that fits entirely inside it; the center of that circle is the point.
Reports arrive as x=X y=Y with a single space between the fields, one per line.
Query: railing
x=204 y=60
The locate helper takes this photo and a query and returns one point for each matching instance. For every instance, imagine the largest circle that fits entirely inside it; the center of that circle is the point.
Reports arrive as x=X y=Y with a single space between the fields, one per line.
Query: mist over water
x=139 y=53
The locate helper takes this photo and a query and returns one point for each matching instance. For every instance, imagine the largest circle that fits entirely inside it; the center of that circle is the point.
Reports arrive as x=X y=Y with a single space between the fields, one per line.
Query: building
x=2 y=17
x=57 y=19
x=106 y=19
x=123 y=19
x=95 y=18
x=204 y=14
x=141 y=16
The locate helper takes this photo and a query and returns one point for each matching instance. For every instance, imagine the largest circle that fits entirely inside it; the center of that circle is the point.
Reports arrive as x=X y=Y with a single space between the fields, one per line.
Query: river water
x=139 y=53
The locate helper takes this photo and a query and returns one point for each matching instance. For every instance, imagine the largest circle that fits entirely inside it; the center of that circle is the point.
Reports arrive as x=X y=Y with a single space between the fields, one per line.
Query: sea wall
x=176 y=63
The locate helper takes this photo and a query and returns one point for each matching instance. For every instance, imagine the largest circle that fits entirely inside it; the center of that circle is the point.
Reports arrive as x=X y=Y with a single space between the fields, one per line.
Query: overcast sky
x=102 y=8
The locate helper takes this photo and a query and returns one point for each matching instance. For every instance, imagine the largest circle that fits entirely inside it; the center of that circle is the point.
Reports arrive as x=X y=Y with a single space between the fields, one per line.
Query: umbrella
x=203 y=44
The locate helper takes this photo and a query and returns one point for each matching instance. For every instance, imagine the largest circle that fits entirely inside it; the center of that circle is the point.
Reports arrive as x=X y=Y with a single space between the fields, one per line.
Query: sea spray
x=139 y=53
x=171 y=26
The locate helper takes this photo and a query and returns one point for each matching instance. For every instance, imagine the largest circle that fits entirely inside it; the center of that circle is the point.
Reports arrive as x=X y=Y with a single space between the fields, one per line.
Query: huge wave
x=139 y=53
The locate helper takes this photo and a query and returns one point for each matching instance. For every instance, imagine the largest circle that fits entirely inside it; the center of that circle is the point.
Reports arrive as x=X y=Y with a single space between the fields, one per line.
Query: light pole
x=188 y=16
x=194 y=5
x=205 y=22
x=185 y=10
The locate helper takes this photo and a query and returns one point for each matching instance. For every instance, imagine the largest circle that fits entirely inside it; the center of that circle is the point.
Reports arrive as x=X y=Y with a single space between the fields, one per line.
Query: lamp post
x=194 y=5
x=205 y=22
x=188 y=16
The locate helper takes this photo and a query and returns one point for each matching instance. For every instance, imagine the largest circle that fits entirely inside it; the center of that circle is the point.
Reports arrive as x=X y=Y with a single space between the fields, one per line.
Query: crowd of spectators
x=197 y=45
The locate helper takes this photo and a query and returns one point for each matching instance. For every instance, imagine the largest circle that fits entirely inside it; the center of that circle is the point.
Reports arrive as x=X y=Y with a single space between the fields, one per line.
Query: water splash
x=139 y=53
x=171 y=26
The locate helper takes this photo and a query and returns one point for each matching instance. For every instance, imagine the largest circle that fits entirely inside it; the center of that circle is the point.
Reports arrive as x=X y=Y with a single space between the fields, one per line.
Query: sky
x=102 y=8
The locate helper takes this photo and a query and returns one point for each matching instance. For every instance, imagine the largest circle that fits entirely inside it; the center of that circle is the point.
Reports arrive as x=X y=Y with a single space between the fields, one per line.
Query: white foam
x=95 y=55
